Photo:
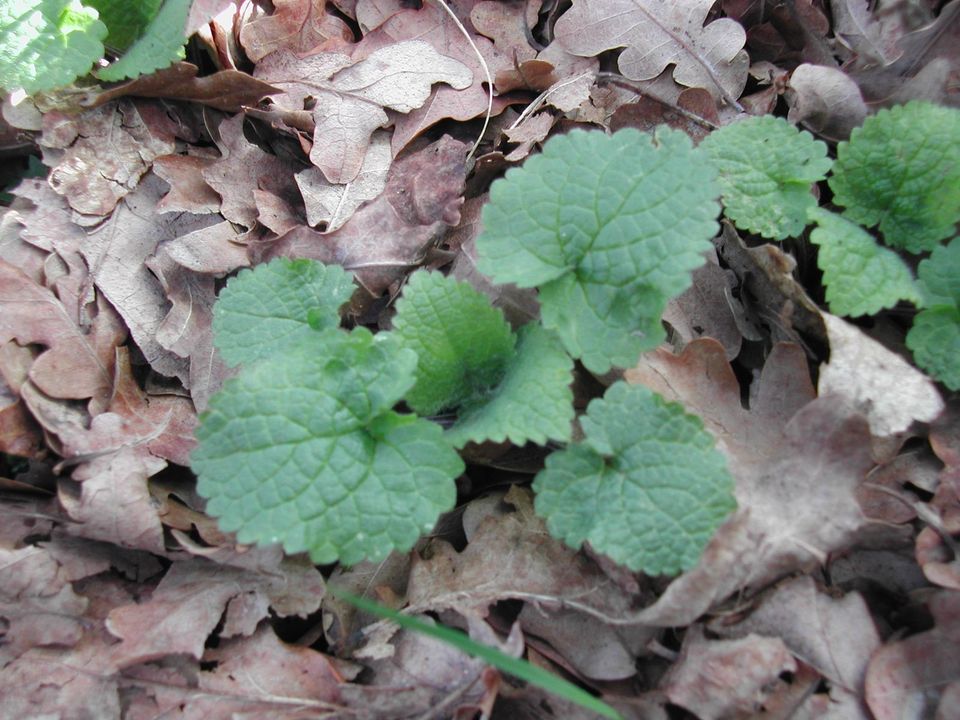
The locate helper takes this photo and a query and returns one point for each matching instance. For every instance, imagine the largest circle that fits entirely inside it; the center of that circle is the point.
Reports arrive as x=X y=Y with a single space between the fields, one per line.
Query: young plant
x=304 y=448
x=47 y=44
x=900 y=173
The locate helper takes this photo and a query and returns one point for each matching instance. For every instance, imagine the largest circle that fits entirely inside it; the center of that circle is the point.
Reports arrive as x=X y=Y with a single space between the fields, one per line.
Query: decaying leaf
x=883 y=386
x=659 y=34
x=390 y=235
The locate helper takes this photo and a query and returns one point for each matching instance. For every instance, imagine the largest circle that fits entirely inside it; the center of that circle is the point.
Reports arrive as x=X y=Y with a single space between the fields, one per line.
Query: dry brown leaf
x=331 y=205
x=875 y=381
x=919 y=676
x=300 y=26
x=717 y=679
x=826 y=101
x=432 y=25
x=243 y=168
x=391 y=234
x=780 y=452
x=350 y=96
x=116 y=252
x=189 y=601
x=228 y=90
x=659 y=34
x=98 y=157
x=835 y=635
x=78 y=362
x=189 y=192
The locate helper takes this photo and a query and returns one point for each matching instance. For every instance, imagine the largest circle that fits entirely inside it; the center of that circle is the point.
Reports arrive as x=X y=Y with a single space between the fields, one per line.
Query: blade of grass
x=513 y=666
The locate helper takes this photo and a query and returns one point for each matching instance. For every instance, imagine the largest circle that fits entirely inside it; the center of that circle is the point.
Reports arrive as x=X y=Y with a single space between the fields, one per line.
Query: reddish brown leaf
x=100 y=156
x=725 y=678
x=300 y=26
x=919 y=676
x=390 y=235
x=76 y=364
x=189 y=192
x=227 y=90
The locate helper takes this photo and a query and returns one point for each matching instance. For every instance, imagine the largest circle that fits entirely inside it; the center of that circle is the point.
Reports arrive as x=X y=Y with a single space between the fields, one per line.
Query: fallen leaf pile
x=347 y=131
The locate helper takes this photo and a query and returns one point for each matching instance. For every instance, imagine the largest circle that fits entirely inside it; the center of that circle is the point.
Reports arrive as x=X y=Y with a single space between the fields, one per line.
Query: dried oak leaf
x=511 y=556
x=717 y=679
x=825 y=100
x=188 y=603
x=115 y=453
x=391 y=234
x=350 y=96
x=227 y=90
x=300 y=26
x=98 y=157
x=37 y=602
x=658 y=34
x=920 y=676
x=242 y=168
x=877 y=382
x=189 y=192
x=116 y=252
x=78 y=362
x=835 y=635
x=458 y=102
x=796 y=462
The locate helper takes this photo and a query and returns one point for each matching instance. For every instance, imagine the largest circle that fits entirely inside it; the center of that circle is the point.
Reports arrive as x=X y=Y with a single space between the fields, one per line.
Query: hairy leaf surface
x=935 y=335
x=463 y=343
x=303 y=449
x=276 y=307
x=861 y=276
x=160 y=45
x=766 y=169
x=47 y=43
x=901 y=171
x=469 y=359
x=645 y=487
x=609 y=227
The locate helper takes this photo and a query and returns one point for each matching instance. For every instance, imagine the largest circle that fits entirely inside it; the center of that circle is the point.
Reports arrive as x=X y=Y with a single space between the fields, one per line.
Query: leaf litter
x=339 y=131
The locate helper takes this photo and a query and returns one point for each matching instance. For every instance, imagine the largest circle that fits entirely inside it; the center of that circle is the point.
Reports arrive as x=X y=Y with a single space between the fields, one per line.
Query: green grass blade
x=514 y=666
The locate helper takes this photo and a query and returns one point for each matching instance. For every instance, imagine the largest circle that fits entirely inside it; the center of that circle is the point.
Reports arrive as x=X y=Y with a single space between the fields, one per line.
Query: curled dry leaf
x=825 y=100
x=227 y=90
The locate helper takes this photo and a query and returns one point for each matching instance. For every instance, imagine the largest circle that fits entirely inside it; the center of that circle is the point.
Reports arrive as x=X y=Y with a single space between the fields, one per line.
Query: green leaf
x=901 y=171
x=645 y=487
x=609 y=227
x=934 y=338
x=934 y=341
x=939 y=275
x=767 y=167
x=303 y=449
x=517 y=667
x=532 y=403
x=275 y=307
x=467 y=360
x=125 y=20
x=861 y=276
x=47 y=44
x=463 y=343
x=159 y=46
